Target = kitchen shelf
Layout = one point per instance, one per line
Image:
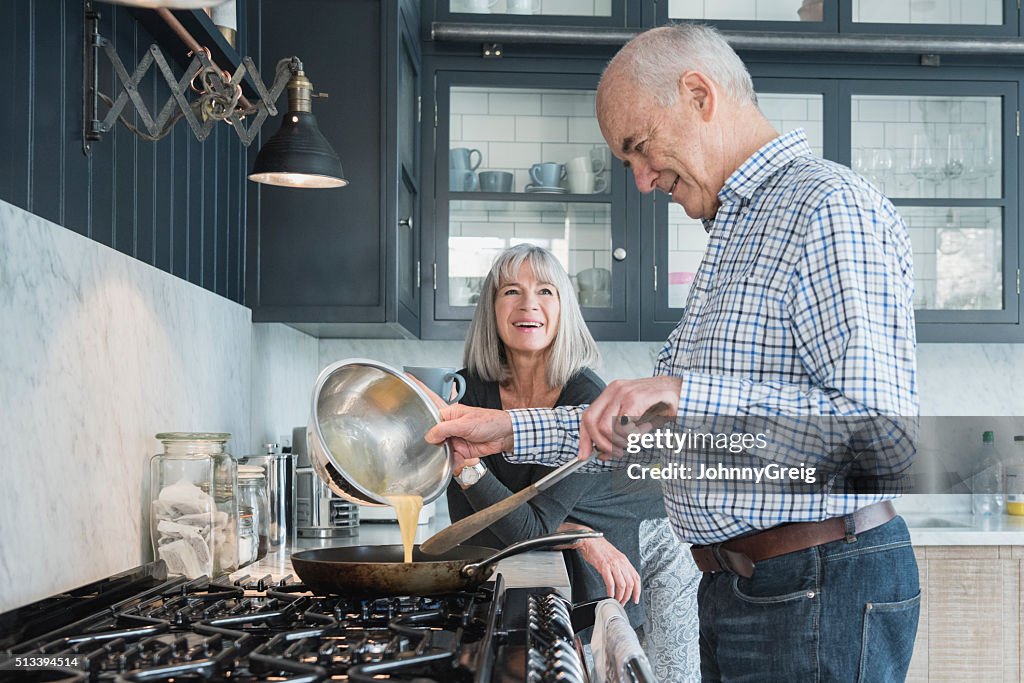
(596, 198)
(204, 31)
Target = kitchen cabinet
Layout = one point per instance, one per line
(344, 262)
(971, 604)
(943, 149)
(492, 128)
(902, 17)
(535, 12)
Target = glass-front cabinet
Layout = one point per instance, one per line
(935, 17)
(575, 12)
(521, 159)
(944, 152)
(785, 15)
(938, 151)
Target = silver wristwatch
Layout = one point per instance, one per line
(471, 475)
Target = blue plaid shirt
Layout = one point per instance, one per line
(801, 306)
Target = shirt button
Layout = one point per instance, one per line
(810, 594)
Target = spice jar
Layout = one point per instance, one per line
(194, 513)
(253, 514)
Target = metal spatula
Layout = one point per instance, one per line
(467, 527)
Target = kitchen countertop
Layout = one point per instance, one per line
(535, 568)
(931, 529)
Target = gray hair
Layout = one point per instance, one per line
(655, 59)
(573, 348)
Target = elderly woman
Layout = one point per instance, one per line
(528, 347)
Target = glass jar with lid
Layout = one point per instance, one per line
(194, 510)
(253, 514)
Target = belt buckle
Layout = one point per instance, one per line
(732, 561)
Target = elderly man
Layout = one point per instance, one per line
(801, 307)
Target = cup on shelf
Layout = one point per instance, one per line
(474, 6)
(585, 183)
(547, 174)
(595, 287)
(461, 158)
(523, 6)
(461, 180)
(495, 181)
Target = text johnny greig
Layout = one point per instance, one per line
(707, 442)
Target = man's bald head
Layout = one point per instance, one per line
(653, 62)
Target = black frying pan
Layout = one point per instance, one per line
(380, 569)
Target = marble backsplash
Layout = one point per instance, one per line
(99, 352)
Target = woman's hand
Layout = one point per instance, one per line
(620, 577)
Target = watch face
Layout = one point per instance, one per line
(471, 475)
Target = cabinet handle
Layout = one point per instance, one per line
(619, 254)
(406, 222)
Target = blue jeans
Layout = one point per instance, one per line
(842, 611)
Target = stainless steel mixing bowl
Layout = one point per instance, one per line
(366, 432)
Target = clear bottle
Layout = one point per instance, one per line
(253, 514)
(1013, 478)
(987, 484)
(193, 510)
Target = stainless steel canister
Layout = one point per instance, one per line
(279, 469)
(318, 512)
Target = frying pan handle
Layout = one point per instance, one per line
(484, 567)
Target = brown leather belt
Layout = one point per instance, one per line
(739, 555)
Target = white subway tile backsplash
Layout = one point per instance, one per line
(594, 237)
(580, 260)
(885, 11)
(568, 104)
(734, 9)
(568, 7)
(867, 135)
(541, 129)
(465, 101)
(686, 9)
(775, 106)
(492, 228)
(883, 108)
(515, 103)
(514, 155)
(584, 130)
(539, 231)
(777, 10)
(931, 12)
(490, 127)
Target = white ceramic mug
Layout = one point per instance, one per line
(579, 165)
(585, 183)
(523, 6)
(600, 157)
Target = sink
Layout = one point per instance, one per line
(935, 523)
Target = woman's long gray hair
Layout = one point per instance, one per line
(573, 348)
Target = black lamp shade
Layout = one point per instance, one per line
(298, 155)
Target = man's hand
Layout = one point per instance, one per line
(438, 402)
(601, 426)
(473, 432)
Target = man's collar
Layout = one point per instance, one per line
(763, 164)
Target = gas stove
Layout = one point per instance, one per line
(144, 626)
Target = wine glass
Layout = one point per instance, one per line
(881, 166)
(922, 163)
(954, 166)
